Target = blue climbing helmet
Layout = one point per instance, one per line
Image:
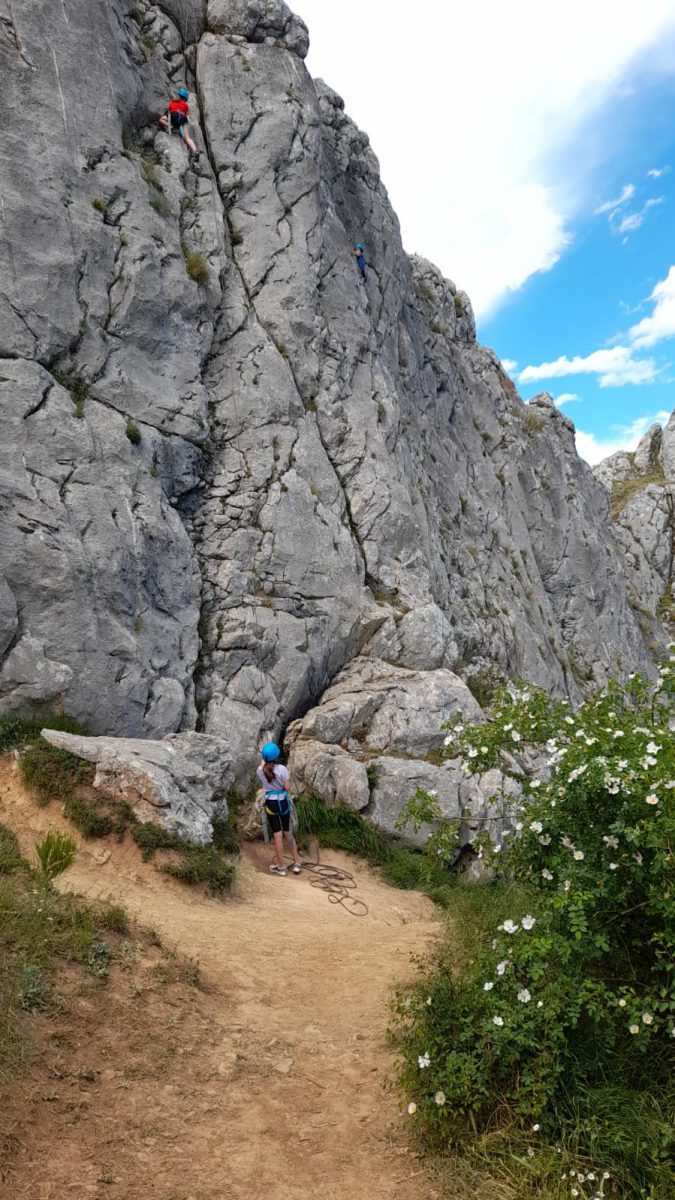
(184, 95)
(359, 246)
(270, 752)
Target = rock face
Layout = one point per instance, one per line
(178, 783)
(642, 490)
(230, 469)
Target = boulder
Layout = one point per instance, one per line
(179, 783)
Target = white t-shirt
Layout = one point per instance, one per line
(277, 783)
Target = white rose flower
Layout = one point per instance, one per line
(651, 799)
(524, 996)
(487, 987)
(440, 1098)
(501, 967)
(498, 1021)
(536, 826)
(634, 1029)
(546, 874)
(528, 922)
(412, 1108)
(647, 1019)
(578, 855)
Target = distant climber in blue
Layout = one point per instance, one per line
(360, 256)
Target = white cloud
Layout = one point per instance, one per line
(611, 206)
(509, 365)
(566, 398)
(661, 324)
(633, 221)
(624, 437)
(614, 367)
(657, 172)
(480, 129)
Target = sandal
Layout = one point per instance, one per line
(277, 870)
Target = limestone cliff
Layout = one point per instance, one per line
(642, 491)
(231, 471)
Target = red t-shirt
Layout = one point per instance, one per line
(180, 106)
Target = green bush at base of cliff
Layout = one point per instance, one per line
(545, 1052)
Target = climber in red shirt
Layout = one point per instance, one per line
(176, 120)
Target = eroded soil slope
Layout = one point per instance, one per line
(272, 1082)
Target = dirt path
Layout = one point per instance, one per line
(282, 1091)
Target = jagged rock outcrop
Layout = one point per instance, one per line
(179, 783)
(231, 469)
(642, 490)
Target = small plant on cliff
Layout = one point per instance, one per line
(78, 388)
(133, 433)
(196, 266)
(550, 1050)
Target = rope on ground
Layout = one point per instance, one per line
(337, 884)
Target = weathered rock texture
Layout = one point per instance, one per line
(327, 470)
(642, 490)
(178, 783)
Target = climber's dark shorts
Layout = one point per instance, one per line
(178, 120)
(277, 823)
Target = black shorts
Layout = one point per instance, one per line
(278, 823)
(177, 120)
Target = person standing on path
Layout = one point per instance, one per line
(278, 807)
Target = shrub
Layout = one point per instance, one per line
(86, 818)
(34, 990)
(203, 864)
(159, 203)
(196, 266)
(78, 388)
(49, 773)
(133, 433)
(55, 853)
(99, 204)
(10, 854)
(558, 1032)
(533, 422)
(211, 865)
(115, 918)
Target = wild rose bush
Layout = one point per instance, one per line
(571, 993)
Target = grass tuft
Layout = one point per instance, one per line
(624, 491)
(78, 388)
(55, 853)
(133, 433)
(196, 266)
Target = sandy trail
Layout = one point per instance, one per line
(283, 1088)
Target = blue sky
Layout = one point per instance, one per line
(516, 143)
(602, 287)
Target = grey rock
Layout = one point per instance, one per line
(668, 449)
(386, 708)
(179, 783)
(268, 21)
(9, 620)
(648, 451)
(331, 773)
